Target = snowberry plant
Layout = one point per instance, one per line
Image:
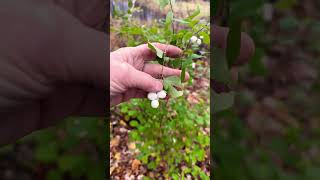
(168, 130)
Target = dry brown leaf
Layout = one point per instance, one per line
(135, 164)
(132, 146)
(193, 98)
(112, 169)
(151, 174)
(123, 123)
(115, 141)
(117, 156)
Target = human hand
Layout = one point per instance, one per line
(52, 66)
(131, 76)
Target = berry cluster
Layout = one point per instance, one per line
(196, 40)
(154, 98)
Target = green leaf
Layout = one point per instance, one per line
(54, 174)
(313, 173)
(182, 21)
(173, 92)
(196, 56)
(172, 81)
(206, 37)
(156, 50)
(47, 152)
(285, 4)
(152, 165)
(233, 42)
(75, 163)
(219, 67)
(96, 172)
(167, 28)
(245, 8)
(183, 73)
(186, 37)
(169, 18)
(130, 4)
(222, 101)
(255, 64)
(134, 123)
(175, 176)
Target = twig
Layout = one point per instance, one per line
(172, 24)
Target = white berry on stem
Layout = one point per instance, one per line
(199, 42)
(193, 39)
(154, 103)
(152, 96)
(162, 94)
(193, 65)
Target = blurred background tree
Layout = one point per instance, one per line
(273, 129)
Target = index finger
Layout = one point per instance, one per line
(147, 54)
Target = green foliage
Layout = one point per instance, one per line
(172, 135)
(71, 149)
(161, 134)
(222, 101)
(244, 152)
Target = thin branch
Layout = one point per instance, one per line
(172, 24)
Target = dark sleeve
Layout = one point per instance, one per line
(92, 13)
(56, 43)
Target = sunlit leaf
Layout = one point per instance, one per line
(156, 50)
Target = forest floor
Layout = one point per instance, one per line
(123, 164)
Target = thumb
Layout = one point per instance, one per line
(142, 80)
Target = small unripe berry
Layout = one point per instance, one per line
(201, 37)
(199, 42)
(193, 39)
(152, 96)
(154, 103)
(162, 94)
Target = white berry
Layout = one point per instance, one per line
(154, 103)
(162, 94)
(193, 39)
(193, 65)
(201, 37)
(152, 96)
(199, 42)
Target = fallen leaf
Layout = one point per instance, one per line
(112, 169)
(151, 174)
(117, 156)
(132, 146)
(135, 164)
(115, 141)
(123, 123)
